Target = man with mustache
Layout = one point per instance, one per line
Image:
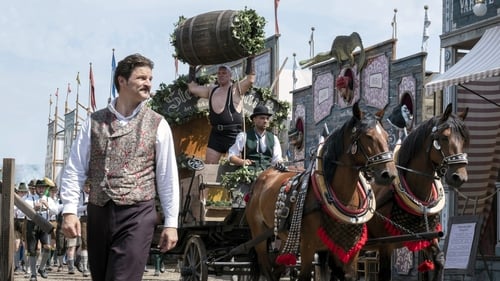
(126, 152)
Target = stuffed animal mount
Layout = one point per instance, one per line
(342, 50)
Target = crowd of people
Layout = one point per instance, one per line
(37, 251)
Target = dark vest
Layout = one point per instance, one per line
(261, 159)
(122, 158)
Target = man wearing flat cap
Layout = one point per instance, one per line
(257, 147)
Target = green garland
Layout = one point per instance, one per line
(179, 85)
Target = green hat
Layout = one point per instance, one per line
(32, 183)
(22, 187)
(45, 182)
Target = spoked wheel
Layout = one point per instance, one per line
(194, 267)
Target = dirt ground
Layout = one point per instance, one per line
(170, 274)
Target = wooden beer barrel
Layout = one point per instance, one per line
(207, 39)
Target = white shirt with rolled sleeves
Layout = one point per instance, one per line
(167, 179)
(237, 148)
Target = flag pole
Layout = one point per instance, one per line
(311, 43)
(394, 25)
(50, 106)
(57, 101)
(112, 85)
(66, 101)
(425, 33)
(294, 75)
(52, 175)
(90, 90)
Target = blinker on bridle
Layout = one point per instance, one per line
(442, 168)
(371, 161)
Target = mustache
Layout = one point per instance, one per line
(147, 89)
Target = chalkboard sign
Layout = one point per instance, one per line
(182, 104)
(461, 244)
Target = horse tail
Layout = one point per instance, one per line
(357, 42)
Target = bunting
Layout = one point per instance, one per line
(92, 89)
(113, 68)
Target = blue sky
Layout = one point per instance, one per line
(46, 43)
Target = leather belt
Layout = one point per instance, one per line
(227, 127)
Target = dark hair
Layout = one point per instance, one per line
(128, 64)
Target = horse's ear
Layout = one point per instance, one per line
(463, 114)
(447, 112)
(380, 113)
(356, 111)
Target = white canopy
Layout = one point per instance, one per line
(482, 61)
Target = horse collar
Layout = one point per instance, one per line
(333, 207)
(409, 202)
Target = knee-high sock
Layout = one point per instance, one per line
(17, 257)
(85, 260)
(60, 260)
(33, 265)
(45, 258)
(157, 261)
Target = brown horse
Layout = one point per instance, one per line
(433, 150)
(324, 207)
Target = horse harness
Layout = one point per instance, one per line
(351, 222)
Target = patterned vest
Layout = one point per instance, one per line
(262, 159)
(122, 158)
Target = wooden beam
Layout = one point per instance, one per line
(7, 221)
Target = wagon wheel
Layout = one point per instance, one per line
(321, 269)
(194, 267)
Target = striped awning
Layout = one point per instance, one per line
(482, 61)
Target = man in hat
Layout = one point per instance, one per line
(225, 101)
(34, 234)
(257, 147)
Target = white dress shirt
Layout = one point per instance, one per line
(167, 182)
(237, 148)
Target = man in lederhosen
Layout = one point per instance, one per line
(34, 234)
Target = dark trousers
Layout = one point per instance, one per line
(34, 234)
(119, 240)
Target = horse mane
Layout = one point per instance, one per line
(334, 145)
(413, 142)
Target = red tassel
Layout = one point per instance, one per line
(246, 198)
(343, 256)
(426, 266)
(287, 259)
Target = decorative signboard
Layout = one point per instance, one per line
(461, 245)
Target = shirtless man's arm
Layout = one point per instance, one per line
(204, 91)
